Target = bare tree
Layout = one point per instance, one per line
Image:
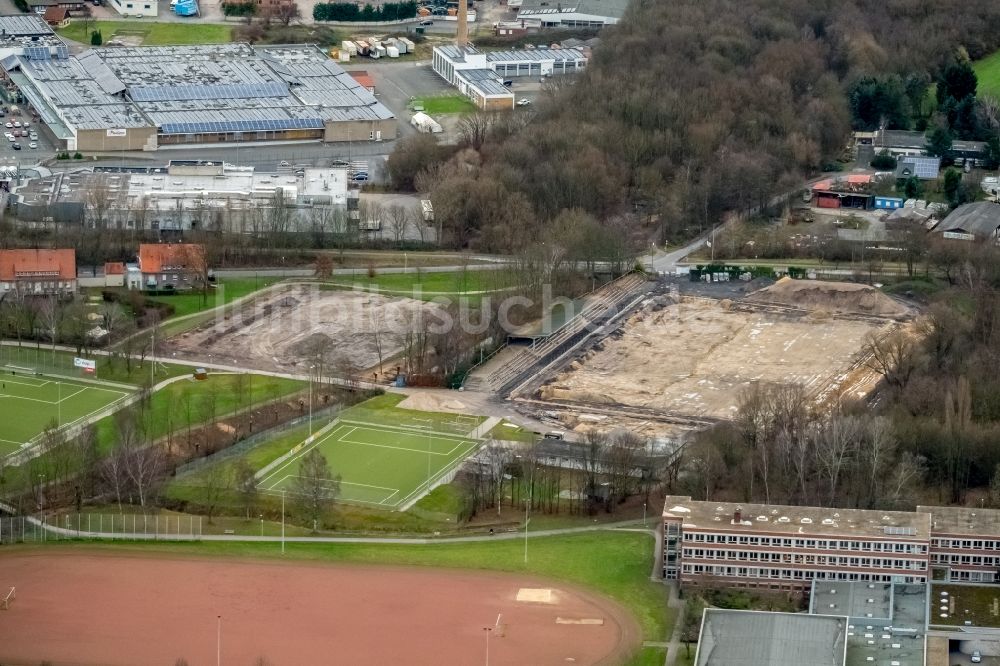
(398, 219)
(315, 488)
(893, 355)
(146, 468)
(216, 482)
(246, 485)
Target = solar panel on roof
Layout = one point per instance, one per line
(891, 530)
(36, 52)
(241, 125)
(62, 52)
(219, 91)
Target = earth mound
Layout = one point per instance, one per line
(829, 297)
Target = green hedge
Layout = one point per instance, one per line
(344, 11)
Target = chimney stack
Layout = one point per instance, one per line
(737, 517)
(462, 33)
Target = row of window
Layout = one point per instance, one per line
(791, 574)
(820, 544)
(973, 576)
(44, 285)
(974, 560)
(804, 559)
(966, 544)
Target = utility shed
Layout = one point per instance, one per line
(753, 638)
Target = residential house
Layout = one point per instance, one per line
(172, 266)
(57, 16)
(979, 221)
(38, 272)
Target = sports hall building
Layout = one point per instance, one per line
(141, 98)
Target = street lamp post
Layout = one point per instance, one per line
(311, 400)
(429, 423)
(262, 524)
(218, 641)
(488, 631)
(282, 522)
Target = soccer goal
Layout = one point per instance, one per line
(8, 599)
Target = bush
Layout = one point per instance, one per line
(239, 8)
(77, 155)
(884, 161)
(349, 12)
(96, 38)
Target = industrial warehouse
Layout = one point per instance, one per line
(481, 76)
(185, 195)
(141, 98)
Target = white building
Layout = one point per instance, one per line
(480, 76)
(562, 14)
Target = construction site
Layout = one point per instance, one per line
(300, 325)
(664, 363)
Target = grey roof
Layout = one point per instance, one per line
(26, 25)
(981, 218)
(922, 167)
(610, 8)
(751, 638)
(535, 55)
(487, 81)
(199, 89)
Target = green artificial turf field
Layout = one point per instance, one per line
(29, 403)
(379, 465)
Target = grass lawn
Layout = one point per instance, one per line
(457, 282)
(505, 430)
(988, 73)
(153, 34)
(226, 291)
(30, 403)
(48, 361)
(979, 604)
(446, 104)
(172, 407)
(384, 409)
(616, 564)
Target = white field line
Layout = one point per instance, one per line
(302, 452)
(40, 382)
(406, 429)
(274, 490)
(437, 475)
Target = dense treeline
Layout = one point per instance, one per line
(929, 436)
(690, 110)
(348, 11)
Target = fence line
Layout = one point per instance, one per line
(129, 526)
(252, 440)
(263, 472)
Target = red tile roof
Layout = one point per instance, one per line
(55, 14)
(171, 256)
(114, 268)
(37, 264)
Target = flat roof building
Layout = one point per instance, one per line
(480, 76)
(787, 547)
(187, 195)
(578, 14)
(776, 547)
(752, 638)
(141, 98)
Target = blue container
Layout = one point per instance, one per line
(888, 203)
(400, 381)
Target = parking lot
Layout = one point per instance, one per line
(43, 149)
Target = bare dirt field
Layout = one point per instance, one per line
(77, 608)
(289, 329)
(695, 357)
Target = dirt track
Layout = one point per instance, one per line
(74, 607)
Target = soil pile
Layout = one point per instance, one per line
(829, 297)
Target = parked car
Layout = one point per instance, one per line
(284, 163)
(17, 123)
(360, 177)
(977, 658)
(16, 146)
(523, 102)
(9, 125)
(33, 145)
(427, 22)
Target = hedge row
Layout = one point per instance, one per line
(345, 11)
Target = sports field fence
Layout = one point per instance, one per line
(127, 526)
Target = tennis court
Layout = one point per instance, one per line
(379, 465)
(29, 403)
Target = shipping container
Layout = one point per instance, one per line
(410, 46)
(350, 47)
(392, 51)
(827, 202)
(888, 203)
(363, 47)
